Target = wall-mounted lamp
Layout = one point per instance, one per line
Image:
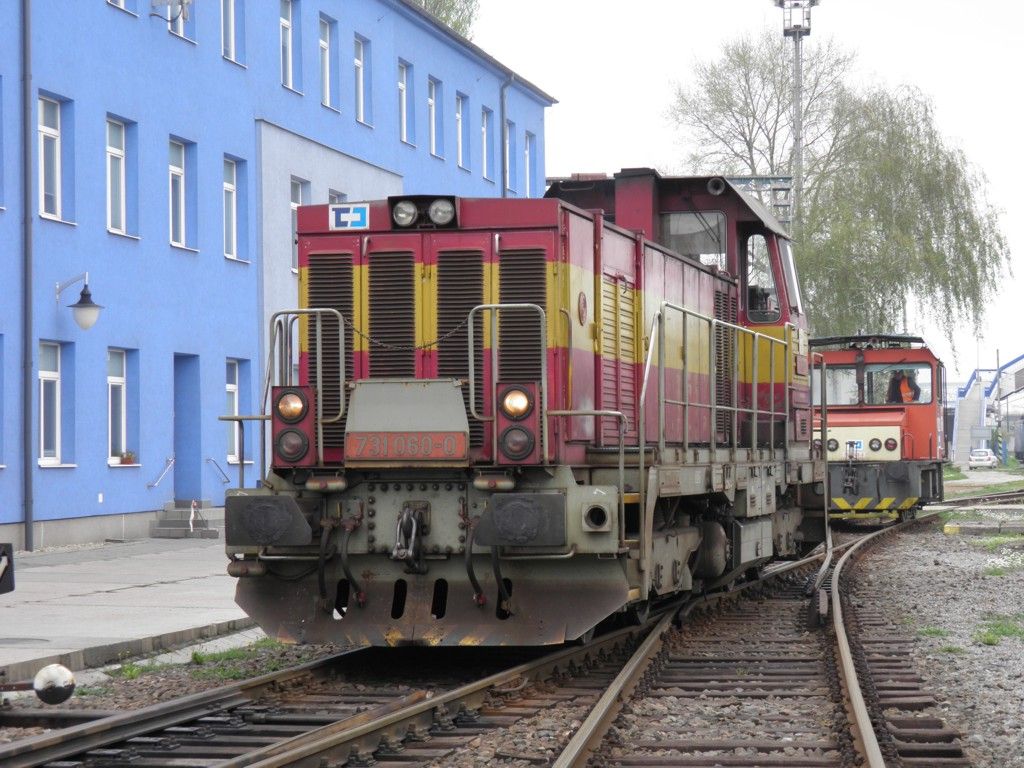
(86, 312)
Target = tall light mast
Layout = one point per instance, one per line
(796, 23)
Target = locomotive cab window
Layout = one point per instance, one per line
(884, 384)
(699, 235)
(762, 293)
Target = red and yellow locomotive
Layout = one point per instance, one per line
(514, 419)
(885, 441)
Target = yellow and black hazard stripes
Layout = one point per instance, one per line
(872, 503)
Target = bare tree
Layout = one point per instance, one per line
(457, 14)
(890, 212)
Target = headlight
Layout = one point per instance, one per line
(291, 407)
(404, 213)
(292, 445)
(833, 444)
(875, 444)
(441, 211)
(516, 443)
(515, 403)
(891, 444)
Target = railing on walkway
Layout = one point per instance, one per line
(167, 468)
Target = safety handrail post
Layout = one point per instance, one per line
(686, 385)
(755, 344)
(736, 339)
(713, 384)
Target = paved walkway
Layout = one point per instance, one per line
(90, 606)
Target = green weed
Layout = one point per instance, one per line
(932, 632)
(997, 627)
(995, 543)
(952, 472)
(1015, 485)
(951, 649)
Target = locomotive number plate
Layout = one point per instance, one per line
(393, 446)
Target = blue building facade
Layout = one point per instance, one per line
(165, 159)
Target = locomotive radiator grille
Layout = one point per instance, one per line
(618, 348)
(460, 287)
(725, 340)
(330, 287)
(523, 280)
(392, 301)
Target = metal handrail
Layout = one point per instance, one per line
(169, 463)
(494, 309)
(225, 479)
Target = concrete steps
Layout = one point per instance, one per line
(175, 521)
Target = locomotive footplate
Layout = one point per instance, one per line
(438, 608)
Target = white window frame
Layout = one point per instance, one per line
(527, 181)
(286, 45)
(485, 118)
(176, 25)
(460, 103)
(115, 154)
(50, 376)
(231, 390)
(230, 206)
(334, 197)
(227, 29)
(47, 134)
(403, 101)
(296, 201)
(432, 114)
(325, 62)
(359, 61)
(176, 172)
(112, 382)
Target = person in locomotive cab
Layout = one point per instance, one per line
(903, 388)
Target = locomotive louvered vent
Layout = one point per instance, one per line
(330, 287)
(618, 344)
(522, 281)
(392, 315)
(460, 287)
(725, 340)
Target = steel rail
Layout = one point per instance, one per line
(336, 742)
(57, 745)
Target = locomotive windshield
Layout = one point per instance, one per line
(884, 384)
(699, 235)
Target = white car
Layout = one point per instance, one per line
(982, 457)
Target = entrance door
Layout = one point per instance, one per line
(187, 430)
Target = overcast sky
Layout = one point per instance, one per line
(612, 67)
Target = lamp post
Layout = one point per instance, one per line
(85, 311)
(796, 23)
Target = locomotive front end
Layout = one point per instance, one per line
(415, 494)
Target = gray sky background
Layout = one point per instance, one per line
(612, 67)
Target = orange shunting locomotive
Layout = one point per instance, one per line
(885, 437)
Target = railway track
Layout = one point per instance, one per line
(786, 692)
(756, 686)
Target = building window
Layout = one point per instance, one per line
(299, 195)
(529, 159)
(461, 130)
(49, 403)
(116, 177)
(231, 388)
(510, 155)
(434, 117)
(362, 74)
(176, 171)
(286, 43)
(486, 117)
(329, 56)
(403, 103)
(117, 408)
(336, 198)
(49, 158)
(227, 29)
(230, 209)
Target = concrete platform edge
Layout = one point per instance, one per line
(101, 655)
